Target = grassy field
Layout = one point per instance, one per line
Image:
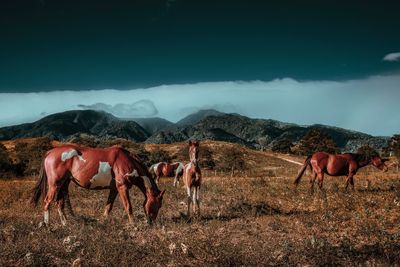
(253, 218)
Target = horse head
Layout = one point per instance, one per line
(194, 151)
(379, 163)
(153, 201)
(152, 205)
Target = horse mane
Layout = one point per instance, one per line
(142, 168)
(358, 157)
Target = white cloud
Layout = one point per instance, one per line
(368, 105)
(392, 57)
(138, 109)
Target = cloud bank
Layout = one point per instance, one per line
(391, 57)
(139, 109)
(369, 105)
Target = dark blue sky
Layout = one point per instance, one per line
(80, 45)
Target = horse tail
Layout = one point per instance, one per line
(302, 170)
(41, 185)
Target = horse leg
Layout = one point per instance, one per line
(66, 197)
(176, 180)
(123, 191)
(350, 181)
(189, 199)
(198, 200)
(320, 179)
(62, 193)
(111, 198)
(158, 178)
(312, 181)
(60, 208)
(68, 203)
(194, 199)
(347, 182)
(51, 193)
(320, 184)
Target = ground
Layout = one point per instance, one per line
(252, 218)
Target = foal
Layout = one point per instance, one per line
(192, 178)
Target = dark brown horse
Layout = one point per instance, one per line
(167, 170)
(111, 168)
(337, 165)
(192, 178)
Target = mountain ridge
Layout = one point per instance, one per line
(204, 124)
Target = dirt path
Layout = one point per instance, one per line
(293, 160)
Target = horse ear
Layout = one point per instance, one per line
(161, 194)
(190, 142)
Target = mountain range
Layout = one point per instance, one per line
(204, 124)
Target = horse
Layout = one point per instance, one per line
(337, 165)
(192, 178)
(112, 168)
(167, 170)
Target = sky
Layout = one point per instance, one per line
(329, 62)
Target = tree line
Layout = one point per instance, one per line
(317, 140)
(26, 157)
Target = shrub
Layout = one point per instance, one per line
(29, 156)
(232, 159)
(367, 151)
(159, 155)
(5, 162)
(394, 145)
(283, 145)
(206, 158)
(316, 140)
(84, 140)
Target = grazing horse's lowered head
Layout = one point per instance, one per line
(379, 163)
(153, 199)
(152, 205)
(194, 151)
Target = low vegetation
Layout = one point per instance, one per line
(253, 218)
(315, 140)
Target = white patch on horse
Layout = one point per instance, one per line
(194, 196)
(188, 167)
(46, 217)
(103, 177)
(134, 173)
(179, 169)
(156, 166)
(70, 154)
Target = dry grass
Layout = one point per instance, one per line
(253, 220)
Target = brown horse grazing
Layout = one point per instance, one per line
(192, 178)
(337, 165)
(167, 170)
(94, 168)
